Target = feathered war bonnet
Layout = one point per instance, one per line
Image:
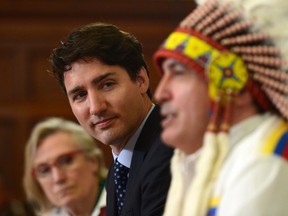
(234, 45)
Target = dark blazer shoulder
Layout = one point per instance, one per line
(151, 131)
(149, 176)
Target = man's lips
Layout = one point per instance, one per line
(167, 119)
(103, 123)
(168, 114)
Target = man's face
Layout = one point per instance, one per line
(106, 102)
(184, 102)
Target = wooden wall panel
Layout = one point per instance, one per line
(8, 74)
(41, 84)
(29, 29)
(7, 136)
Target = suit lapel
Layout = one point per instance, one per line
(110, 188)
(143, 144)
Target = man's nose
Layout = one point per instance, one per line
(161, 94)
(97, 104)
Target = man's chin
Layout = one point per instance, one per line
(167, 138)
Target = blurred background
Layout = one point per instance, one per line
(29, 29)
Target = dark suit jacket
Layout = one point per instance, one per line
(149, 175)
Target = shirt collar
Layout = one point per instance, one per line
(240, 130)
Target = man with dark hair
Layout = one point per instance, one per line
(103, 72)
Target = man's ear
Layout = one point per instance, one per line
(244, 107)
(142, 80)
(244, 99)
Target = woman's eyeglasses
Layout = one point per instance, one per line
(64, 162)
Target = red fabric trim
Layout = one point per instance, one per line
(162, 54)
(102, 211)
(285, 152)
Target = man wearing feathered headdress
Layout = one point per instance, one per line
(224, 99)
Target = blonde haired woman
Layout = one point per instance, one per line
(64, 170)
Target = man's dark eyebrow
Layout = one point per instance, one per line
(95, 81)
(175, 64)
(172, 65)
(102, 77)
(74, 90)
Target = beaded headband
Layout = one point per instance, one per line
(226, 71)
(222, 46)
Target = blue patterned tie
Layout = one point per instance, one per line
(120, 180)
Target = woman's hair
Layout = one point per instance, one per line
(44, 129)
